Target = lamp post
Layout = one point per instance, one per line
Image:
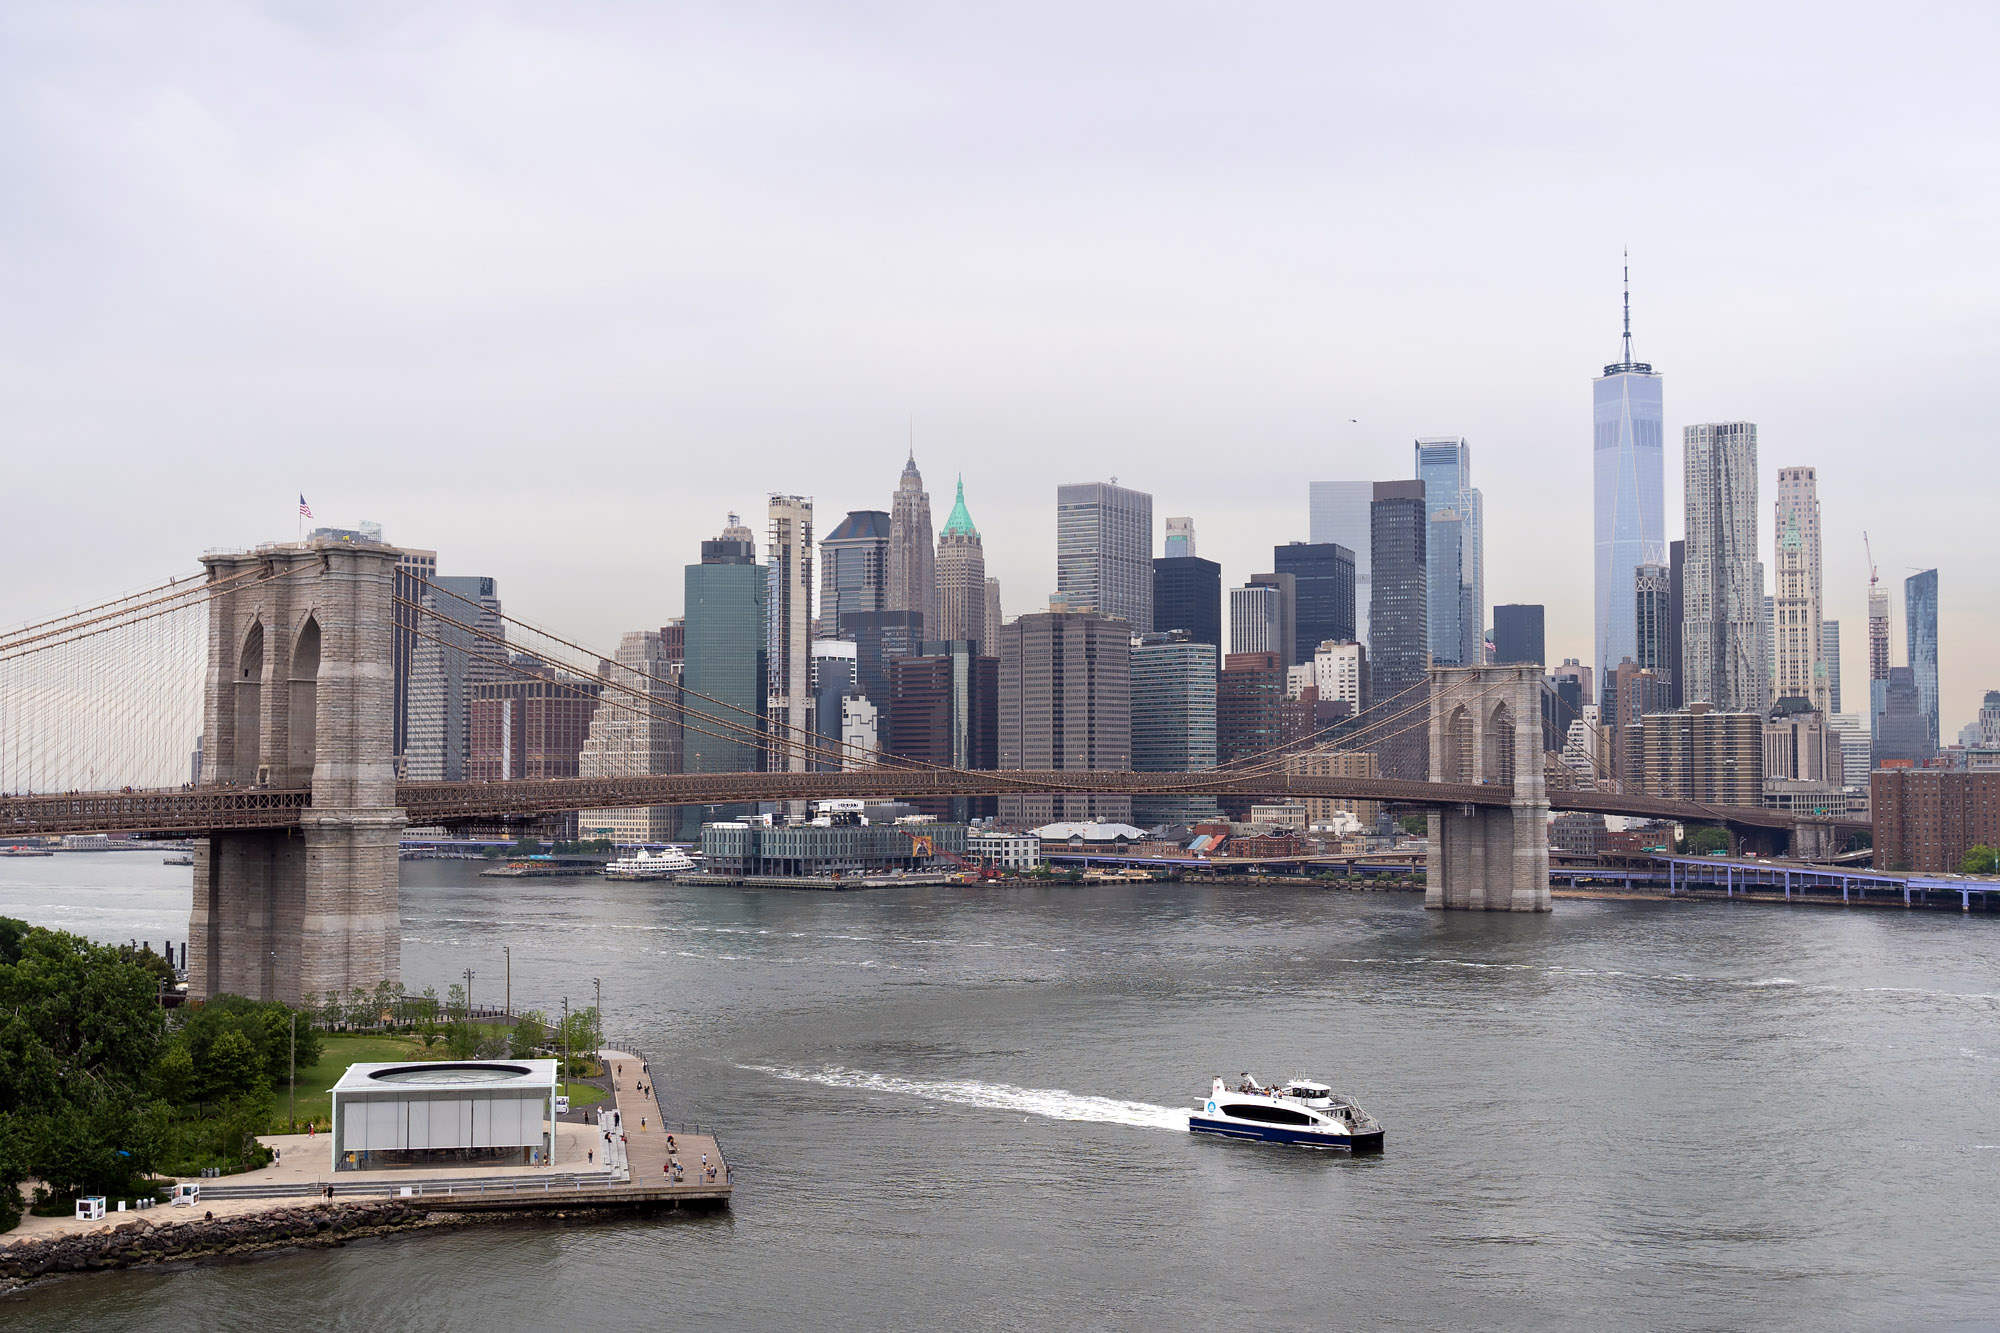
(293, 1081)
(510, 979)
(468, 995)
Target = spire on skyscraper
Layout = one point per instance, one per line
(1628, 365)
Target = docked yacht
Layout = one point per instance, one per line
(648, 865)
(1298, 1111)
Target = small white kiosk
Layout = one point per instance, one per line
(437, 1112)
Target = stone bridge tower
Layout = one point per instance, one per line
(1486, 727)
(300, 692)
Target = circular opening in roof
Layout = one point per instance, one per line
(443, 1073)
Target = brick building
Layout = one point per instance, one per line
(1926, 818)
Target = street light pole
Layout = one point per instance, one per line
(510, 979)
(294, 1080)
(468, 995)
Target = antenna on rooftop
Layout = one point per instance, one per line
(1628, 305)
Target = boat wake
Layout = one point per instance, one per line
(1050, 1103)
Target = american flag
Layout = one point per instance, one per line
(305, 510)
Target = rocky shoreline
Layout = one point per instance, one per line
(140, 1241)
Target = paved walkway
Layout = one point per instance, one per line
(646, 1143)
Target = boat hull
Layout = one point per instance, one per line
(1301, 1137)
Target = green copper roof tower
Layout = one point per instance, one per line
(960, 522)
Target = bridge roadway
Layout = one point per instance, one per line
(218, 808)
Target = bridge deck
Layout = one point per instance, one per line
(222, 808)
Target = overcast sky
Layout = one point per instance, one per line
(552, 288)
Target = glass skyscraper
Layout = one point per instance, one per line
(1628, 466)
(1339, 513)
(1458, 577)
(726, 672)
(1104, 552)
(1920, 611)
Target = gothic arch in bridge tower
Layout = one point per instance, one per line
(1457, 757)
(248, 692)
(1488, 857)
(304, 691)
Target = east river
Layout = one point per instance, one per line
(953, 1108)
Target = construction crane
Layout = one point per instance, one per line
(1873, 579)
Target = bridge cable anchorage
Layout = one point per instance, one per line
(109, 698)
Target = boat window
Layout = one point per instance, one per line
(1267, 1114)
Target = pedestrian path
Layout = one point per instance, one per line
(646, 1133)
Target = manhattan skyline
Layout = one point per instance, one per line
(752, 254)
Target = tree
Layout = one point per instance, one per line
(1700, 840)
(1417, 826)
(230, 1067)
(529, 1035)
(1979, 859)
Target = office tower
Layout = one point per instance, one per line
(413, 570)
(1458, 590)
(1173, 721)
(1767, 629)
(1878, 632)
(1287, 588)
(1722, 635)
(1854, 747)
(993, 619)
(944, 709)
(533, 725)
(1517, 635)
(1628, 470)
(1340, 513)
(1339, 671)
(1563, 706)
(1065, 703)
(1180, 539)
(1829, 652)
(1399, 622)
(1652, 594)
(1798, 652)
(1989, 720)
(1577, 672)
(853, 569)
(860, 732)
(879, 638)
(912, 553)
(961, 577)
(1322, 594)
(1699, 753)
(1920, 626)
(631, 736)
(459, 644)
(1676, 670)
(1187, 594)
(1104, 552)
(789, 550)
(1249, 699)
(1256, 618)
(1799, 746)
(1902, 731)
(725, 672)
(833, 663)
(1633, 692)
(1444, 552)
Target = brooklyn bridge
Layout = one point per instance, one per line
(281, 660)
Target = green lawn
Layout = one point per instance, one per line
(343, 1049)
(582, 1094)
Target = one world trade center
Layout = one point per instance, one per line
(1628, 470)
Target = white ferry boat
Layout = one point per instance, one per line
(650, 865)
(1298, 1111)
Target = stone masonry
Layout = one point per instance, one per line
(300, 692)
(1486, 726)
